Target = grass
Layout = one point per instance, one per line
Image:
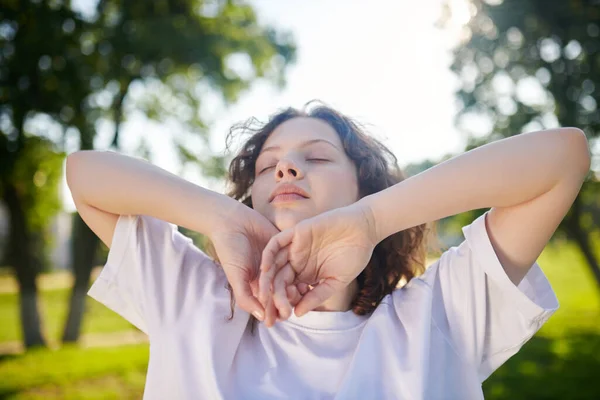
(54, 300)
(54, 308)
(546, 368)
(577, 291)
(562, 361)
(74, 373)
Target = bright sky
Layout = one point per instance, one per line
(382, 62)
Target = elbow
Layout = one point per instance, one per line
(578, 150)
(71, 168)
(73, 172)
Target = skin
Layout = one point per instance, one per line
(105, 185)
(529, 181)
(307, 153)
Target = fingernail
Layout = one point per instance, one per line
(259, 315)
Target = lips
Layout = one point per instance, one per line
(288, 192)
(286, 197)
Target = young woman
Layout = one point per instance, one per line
(319, 230)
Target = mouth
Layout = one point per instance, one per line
(287, 197)
(287, 193)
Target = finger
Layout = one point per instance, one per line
(302, 288)
(317, 296)
(266, 277)
(276, 243)
(271, 313)
(254, 288)
(293, 295)
(246, 300)
(283, 279)
(282, 257)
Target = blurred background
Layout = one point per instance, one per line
(165, 79)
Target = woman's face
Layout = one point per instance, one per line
(303, 160)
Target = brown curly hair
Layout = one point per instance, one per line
(396, 259)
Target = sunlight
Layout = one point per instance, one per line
(461, 12)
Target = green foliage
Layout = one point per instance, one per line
(67, 72)
(174, 52)
(64, 73)
(41, 63)
(79, 70)
(531, 65)
(552, 46)
(37, 174)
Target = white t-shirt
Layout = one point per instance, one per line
(439, 337)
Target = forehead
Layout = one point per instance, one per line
(302, 129)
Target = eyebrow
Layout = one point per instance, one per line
(304, 144)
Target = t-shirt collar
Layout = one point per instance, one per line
(327, 320)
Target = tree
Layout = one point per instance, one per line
(38, 84)
(528, 65)
(171, 52)
(159, 58)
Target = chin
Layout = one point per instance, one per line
(285, 218)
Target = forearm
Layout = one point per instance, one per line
(125, 185)
(501, 174)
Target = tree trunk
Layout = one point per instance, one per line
(21, 255)
(583, 241)
(582, 238)
(84, 245)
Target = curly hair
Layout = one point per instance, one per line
(396, 259)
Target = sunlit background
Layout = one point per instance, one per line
(431, 78)
(360, 57)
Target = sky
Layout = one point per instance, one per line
(381, 62)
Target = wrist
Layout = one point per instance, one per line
(365, 209)
(226, 211)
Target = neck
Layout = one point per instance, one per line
(341, 300)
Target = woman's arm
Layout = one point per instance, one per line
(105, 185)
(530, 180)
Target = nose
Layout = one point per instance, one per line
(287, 169)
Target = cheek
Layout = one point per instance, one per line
(260, 194)
(340, 187)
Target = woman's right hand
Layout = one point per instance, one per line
(239, 242)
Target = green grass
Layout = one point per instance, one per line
(54, 308)
(563, 360)
(73, 373)
(546, 368)
(577, 291)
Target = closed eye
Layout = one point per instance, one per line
(266, 169)
(317, 159)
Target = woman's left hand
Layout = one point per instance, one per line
(329, 251)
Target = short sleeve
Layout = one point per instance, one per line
(153, 273)
(488, 318)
